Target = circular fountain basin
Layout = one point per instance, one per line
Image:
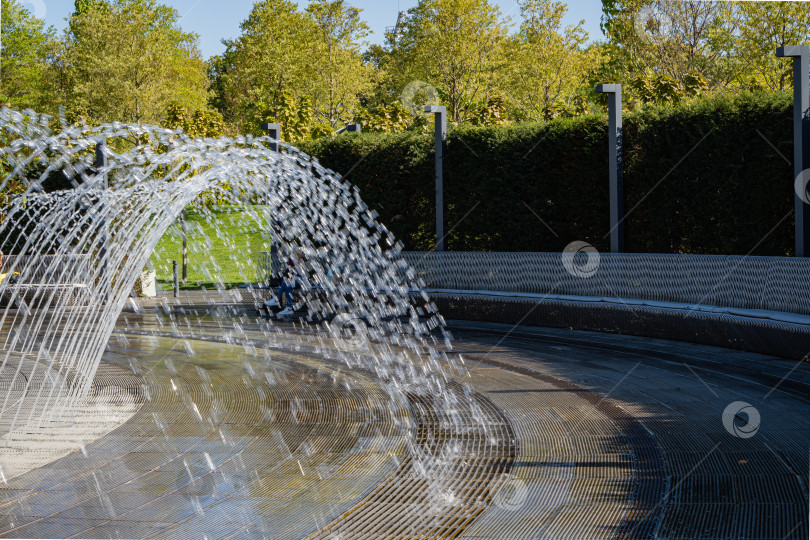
(573, 435)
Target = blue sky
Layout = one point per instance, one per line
(214, 20)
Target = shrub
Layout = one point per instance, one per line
(712, 176)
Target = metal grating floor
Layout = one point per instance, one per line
(575, 436)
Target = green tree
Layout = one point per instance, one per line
(548, 65)
(127, 60)
(764, 26)
(668, 50)
(285, 58)
(199, 123)
(25, 49)
(385, 119)
(456, 45)
(670, 44)
(83, 6)
(385, 80)
(383, 110)
(342, 76)
(270, 59)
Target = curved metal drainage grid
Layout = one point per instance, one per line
(206, 456)
(446, 496)
(443, 501)
(446, 501)
(718, 485)
(169, 473)
(462, 464)
(650, 486)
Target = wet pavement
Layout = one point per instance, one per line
(573, 435)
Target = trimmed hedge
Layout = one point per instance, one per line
(698, 178)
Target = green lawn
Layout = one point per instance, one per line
(224, 249)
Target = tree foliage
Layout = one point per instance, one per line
(310, 68)
(456, 45)
(147, 62)
(197, 123)
(762, 27)
(671, 50)
(546, 62)
(269, 58)
(665, 46)
(25, 48)
(286, 58)
(341, 75)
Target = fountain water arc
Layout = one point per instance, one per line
(88, 246)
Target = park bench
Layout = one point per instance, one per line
(45, 281)
(760, 304)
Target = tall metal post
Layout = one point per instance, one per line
(101, 161)
(101, 165)
(614, 92)
(440, 120)
(801, 140)
(185, 248)
(176, 280)
(274, 131)
(276, 261)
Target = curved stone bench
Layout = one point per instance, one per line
(758, 304)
